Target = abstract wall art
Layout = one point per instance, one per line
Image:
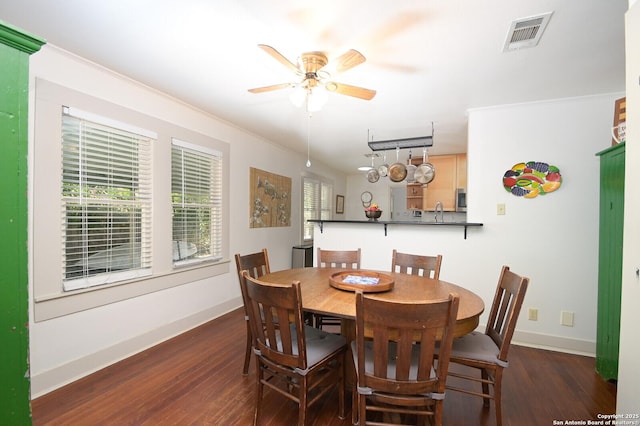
(270, 199)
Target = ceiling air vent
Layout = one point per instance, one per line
(526, 32)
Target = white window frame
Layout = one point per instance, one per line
(190, 178)
(46, 265)
(102, 260)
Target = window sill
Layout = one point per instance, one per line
(56, 305)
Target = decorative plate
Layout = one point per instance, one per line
(366, 281)
(531, 179)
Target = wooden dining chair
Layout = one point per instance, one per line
(395, 368)
(488, 351)
(298, 361)
(416, 264)
(347, 259)
(258, 265)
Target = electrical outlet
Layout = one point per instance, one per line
(566, 318)
(501, 209)
(533, 314)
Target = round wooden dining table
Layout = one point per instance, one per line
(318, 296)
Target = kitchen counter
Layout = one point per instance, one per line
(386, 224)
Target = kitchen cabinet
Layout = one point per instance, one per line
(451, 173)
(612, 163)
(461, 171)
(443, 186)
(414, 196)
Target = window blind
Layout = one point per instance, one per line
(317, 196)
(106, 202)
(196, 196)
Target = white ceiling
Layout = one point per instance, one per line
(430, 61)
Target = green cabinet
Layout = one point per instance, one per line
(610, 260)
(15, 48)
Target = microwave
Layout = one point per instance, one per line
(461, 200)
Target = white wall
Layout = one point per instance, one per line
(552, 239)
(629, 368)
(66, 348)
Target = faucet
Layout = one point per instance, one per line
(441, 208)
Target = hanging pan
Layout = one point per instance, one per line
(397, 171)
(425, 172)
(411, 169)
(372, 174)
(383, 169)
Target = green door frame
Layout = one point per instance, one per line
(15, 48)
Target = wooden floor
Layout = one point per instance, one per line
(195, 379)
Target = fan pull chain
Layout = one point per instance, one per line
(308, 141)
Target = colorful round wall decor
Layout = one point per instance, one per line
(531, 179)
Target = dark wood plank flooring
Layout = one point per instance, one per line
(195, 379)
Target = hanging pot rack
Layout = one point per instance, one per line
(402, 143)
(389, 144)
(414, 142)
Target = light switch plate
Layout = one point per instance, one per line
(501, 209)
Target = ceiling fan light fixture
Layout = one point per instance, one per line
(298, 96)
(331, 86)
(316, 99)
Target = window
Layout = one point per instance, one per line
(106, 201)
(196, 197)
(317, 197)
(104, 210)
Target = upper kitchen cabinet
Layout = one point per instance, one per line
(461, 171)
(414, 196)
(451, 174)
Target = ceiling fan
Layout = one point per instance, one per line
(311, 73)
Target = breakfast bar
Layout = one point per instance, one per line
(386, 224)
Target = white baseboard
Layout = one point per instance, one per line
(555, 343)
(50, 380)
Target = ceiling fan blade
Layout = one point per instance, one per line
(348, 60)
(270, 88)
(346, 89)
(280, 58)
